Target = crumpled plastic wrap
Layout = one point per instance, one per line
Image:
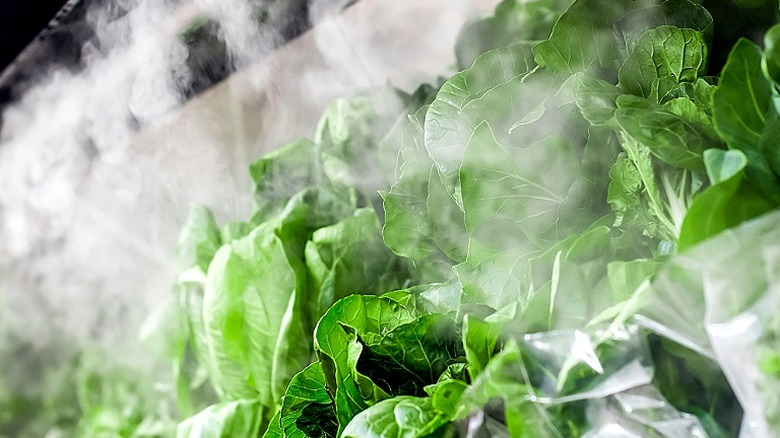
(722, 298)
(609, 370)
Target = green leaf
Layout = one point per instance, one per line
(422, 221)
(412, 355)
(240, 418)
(398, 417)
(446, 129)
(625, 277)
(625, 191)
(513, 22)
(742, 106)
(282, 173)
(480, 340)
(723, 165)
(682, 14)
(274, 429)
(513, 195)
(726, 203)
(770, 61)
(771, 157)
(583, 38)
(596, 99)
(439, 297)
(349, 257)
(662, 59)
(349, 138)
(447, 396)
(742, 98)
(494, 278)
(255, 314)
(307, 409)
(199, 239)
(667, 135)
(336, 341)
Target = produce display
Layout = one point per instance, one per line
(576, 235)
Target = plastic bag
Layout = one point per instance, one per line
(722, 298)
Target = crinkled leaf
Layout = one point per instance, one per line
(446, 129)
(514, 195)
(668, 136)
(678, 13)
(662, 59)
(582, 38)
(412, 355)
(398, 417)
(625, 191)
(336, 341)
(422, 221)
(349, 257)
(307, 409)
(349, 135)
(512, 22)
(282, 173)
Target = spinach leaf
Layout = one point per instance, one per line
(582, 38)
(742, 104)
(446, 128)
(398, 417)
(683, 14)
(513, 22)
(525, 192)
(307, 409)
(726, 203)
(668, 136)
(663, 58)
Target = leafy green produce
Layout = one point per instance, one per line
(573, 236)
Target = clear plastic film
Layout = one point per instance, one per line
(640, 412)
(580, 365)
(601, 376)
(731, 285)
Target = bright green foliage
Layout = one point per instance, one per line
(574, 236)
(533, 212)
(230, 419)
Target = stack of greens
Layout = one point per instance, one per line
(574, 236)
(549, 244)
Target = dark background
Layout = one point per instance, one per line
(20, 22)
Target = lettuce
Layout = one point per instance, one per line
(573, 236)
(547, 231)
